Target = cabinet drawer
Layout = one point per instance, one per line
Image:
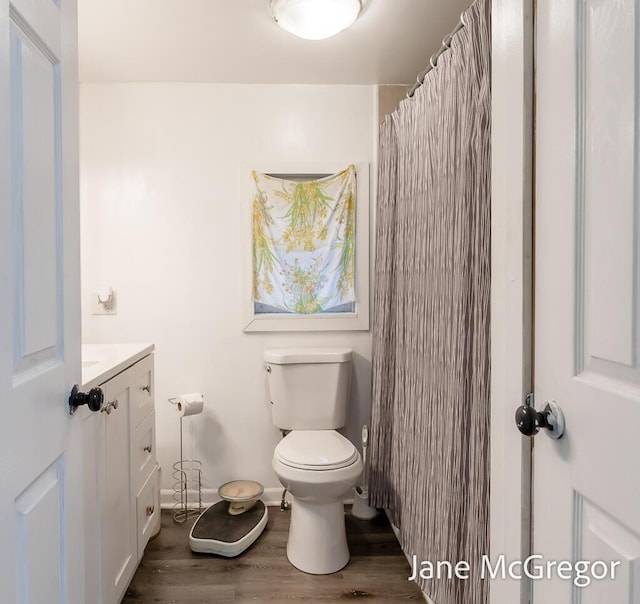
(142, 403)
(148, 506)
(143, 454)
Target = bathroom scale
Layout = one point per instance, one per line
(229, 527)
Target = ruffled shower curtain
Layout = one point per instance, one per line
(430, 417)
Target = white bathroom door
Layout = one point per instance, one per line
(586, 486)
(41, 511)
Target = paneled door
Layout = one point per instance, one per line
(41, 512)
(586, 489)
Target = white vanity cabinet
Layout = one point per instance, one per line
(121, 473)
(116, 496)
(145, 472)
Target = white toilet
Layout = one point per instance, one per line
(309, 390)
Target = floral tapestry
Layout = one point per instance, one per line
(304, 242)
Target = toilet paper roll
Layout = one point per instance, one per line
(190, 404)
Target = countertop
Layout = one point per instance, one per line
(101, 362)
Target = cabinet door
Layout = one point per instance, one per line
(142, 401)
(118, 517)
(148, 506)
(143, 451)
(92, 452)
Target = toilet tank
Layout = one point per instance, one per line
(308, 387)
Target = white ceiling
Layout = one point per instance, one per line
(236, 41)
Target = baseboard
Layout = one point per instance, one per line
(272, 496)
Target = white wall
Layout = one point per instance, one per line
(161, 222)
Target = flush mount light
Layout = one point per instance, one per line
(315, 19)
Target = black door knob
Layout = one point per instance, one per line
(529, 421)
(93, 399)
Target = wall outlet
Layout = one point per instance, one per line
(104, 303)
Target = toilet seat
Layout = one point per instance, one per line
(316, 450)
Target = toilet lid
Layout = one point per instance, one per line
(316, 450)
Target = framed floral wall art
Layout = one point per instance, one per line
(309, 249)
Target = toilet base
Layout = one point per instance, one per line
(317, 541)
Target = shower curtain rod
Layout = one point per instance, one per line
(433, 61)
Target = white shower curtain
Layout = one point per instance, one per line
(430, 418)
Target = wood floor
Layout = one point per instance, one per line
(171, 574)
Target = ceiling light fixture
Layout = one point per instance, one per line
(315, 19)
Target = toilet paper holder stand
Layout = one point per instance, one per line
(187, 483)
